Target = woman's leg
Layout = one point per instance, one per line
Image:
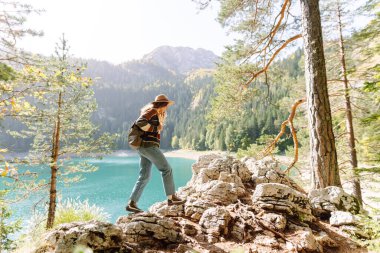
(155, 155)
(145, 169)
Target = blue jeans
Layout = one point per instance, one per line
(147, 157)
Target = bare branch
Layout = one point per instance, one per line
(263, 70)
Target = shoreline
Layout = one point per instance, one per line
(188, 153)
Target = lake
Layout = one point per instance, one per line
(111, 185)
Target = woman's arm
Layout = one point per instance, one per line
(148, 122)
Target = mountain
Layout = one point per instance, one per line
(182, 60)
(185, 75)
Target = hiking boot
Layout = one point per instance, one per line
(176, 201)
(132, 207)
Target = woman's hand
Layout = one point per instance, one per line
(159, 127)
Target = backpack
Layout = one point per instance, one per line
(134, 136)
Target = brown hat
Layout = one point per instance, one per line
(163, 98)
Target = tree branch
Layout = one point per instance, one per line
(271, 59)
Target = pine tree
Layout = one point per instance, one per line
(61, 124)
(265, 28)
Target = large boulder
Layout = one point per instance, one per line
(215, 221)
(333, 198)
(274, 221)
(282, 198)
(162, 209)
(203, 162)
(150, 230)
(96, 235)
(339, 218)
(195, 208)
(268, 170)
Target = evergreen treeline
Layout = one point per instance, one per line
(121, 90)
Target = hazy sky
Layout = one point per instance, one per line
(121, 30)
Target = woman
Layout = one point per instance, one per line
(151, 121)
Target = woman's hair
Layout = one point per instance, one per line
(153, 105)
(159, 104)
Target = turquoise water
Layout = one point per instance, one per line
(110, 186)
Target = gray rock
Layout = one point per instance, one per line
(282, 198)
(268, 170)
(355, 231)
(188, 227)
(266, 240)
(162, 209)
(96, 235)
(196, 207)
(333, 198)
(150, 229)
(228, 165)
(307, 242)
(217, 192)
(273, 220)
(325, 240)
(339, 218)
(215, 221)
(203, 162)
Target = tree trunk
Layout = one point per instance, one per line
(54, 167)
(349, 125)
(324, 164)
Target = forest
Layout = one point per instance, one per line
(54, 108)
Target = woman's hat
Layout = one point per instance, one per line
(163, 98)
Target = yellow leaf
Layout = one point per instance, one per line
(5, 171)
(13, 102)
(42, 74)
(3, 150)
(73, 78)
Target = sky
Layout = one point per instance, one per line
(122, 30)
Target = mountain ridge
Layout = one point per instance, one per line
(182, 60)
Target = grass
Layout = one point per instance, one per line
(70, 210)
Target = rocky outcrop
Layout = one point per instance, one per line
(149, 229)
(333, 198)
(229, 204)
(268, 170)
(99, 236)
(339, 218)
(282, 198)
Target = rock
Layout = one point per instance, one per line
(217, 192)
(215, 221)
(203, 162)
(217, 180)
(162, 209)
(235, 181)
(307, 242)
(188, 228)
(150, 229)
(182, 248)
(267, 241)
(282, 198)
(333, 198)
(273, 220)
(339, 218)
(196, 207)
(325, 240)
(96, 235)
(355, 231)
(228, 165)
(230, 205)
(268, 170)
(238, 231)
